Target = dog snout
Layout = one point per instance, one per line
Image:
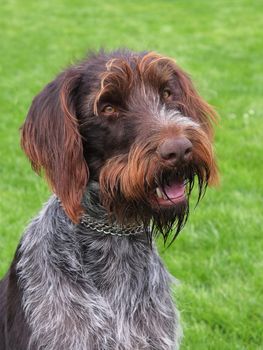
(174, 151)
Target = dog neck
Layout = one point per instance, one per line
(106, 227)
(97, 219)
(92, 284)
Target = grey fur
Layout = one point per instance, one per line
(86, 291)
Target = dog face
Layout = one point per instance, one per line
(134, 123)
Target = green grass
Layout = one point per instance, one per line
(218, 256)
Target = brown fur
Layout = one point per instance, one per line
(55, 135)
(51, 140)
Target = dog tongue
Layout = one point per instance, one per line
(175, 190)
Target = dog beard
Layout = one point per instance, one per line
(156, 218)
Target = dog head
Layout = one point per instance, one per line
(131, 121)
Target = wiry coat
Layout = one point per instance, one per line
(85, 290)
(122, 137)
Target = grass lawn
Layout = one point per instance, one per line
(218, 257)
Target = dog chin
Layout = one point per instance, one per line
(169, 220)
(169, 203)
(171, 207)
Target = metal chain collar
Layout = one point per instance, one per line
(105, 227)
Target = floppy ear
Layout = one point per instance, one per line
(194, 106)
(51, 139)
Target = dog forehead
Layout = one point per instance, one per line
(128, 73)
(136, 67)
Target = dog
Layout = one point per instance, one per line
(121, 138)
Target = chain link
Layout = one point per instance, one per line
(103, 226)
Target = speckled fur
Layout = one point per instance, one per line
(82, 290)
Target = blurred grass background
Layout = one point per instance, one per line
(218, 256)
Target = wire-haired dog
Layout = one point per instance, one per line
(121, 138)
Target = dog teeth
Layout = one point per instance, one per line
(160, 193)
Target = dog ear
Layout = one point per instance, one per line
(51, 139)
(193, 105)
(189, 101)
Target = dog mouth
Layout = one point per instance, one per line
(173, 188)
(170, 194)
(170, 189)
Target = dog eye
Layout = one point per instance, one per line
(109, 110)
(166, 93)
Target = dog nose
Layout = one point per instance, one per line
(176, 150)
